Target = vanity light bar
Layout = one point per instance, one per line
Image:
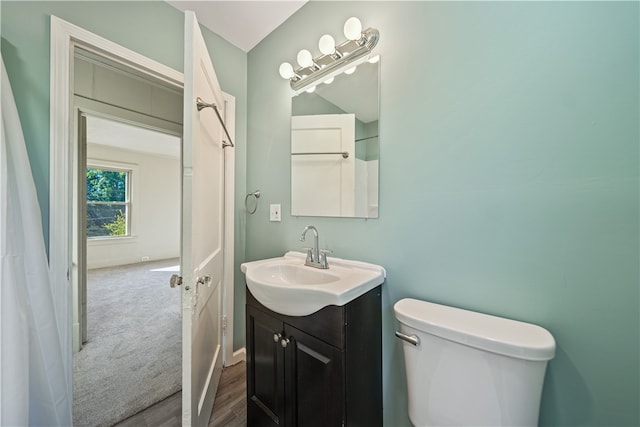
(334, 59)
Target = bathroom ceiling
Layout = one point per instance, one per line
(243, 23)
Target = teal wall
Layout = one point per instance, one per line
(312, 103)
(508, 172)
(151, 28)
(368, 149)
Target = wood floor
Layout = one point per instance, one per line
(229, 410)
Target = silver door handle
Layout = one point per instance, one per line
(175, 280)
(204, 280)
(411, 339)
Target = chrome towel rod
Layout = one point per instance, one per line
(367, 138)
(344, 154)
(201, 105)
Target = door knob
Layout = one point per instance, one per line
(284, 342)
(204, 280)
(276, 337)
(175, 280)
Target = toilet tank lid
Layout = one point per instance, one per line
(483, 331)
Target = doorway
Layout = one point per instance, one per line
(129, 199)
(66, 38)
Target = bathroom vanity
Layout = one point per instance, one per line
(322, 369)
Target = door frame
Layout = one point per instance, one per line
(82, 108)
(63, 150)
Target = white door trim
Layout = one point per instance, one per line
(229, 234)
(64, 37)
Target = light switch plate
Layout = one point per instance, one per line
(274, 212)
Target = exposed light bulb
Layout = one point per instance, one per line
(327, 44)
(286, 70)
(350, 70)
(353, 28)
(329, 80)
(311, 89)
(374, 59)
(304, 58)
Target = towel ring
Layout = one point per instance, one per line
(256, 196)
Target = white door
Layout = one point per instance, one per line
(322, 178)
(202, 232)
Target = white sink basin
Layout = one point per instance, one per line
(286, 286)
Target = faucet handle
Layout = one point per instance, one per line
(322, 257)
(310, 255)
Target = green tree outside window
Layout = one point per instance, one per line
(107, 202)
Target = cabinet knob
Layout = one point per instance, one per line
(276, 337)
(284, 342)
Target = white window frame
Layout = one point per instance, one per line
(132, 200)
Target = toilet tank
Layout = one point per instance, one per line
(471, 368)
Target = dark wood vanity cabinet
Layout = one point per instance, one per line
(324, 369)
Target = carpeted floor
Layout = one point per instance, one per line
(133, 357)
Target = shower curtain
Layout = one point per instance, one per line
(34, 388)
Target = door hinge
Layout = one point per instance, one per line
(224, 324)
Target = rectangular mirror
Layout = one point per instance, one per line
(335, 150)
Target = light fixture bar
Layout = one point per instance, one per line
(351, 51)
(334, 60)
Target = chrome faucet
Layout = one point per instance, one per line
(315, 257)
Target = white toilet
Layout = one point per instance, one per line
(471, 369)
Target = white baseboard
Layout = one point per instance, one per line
(239, 355)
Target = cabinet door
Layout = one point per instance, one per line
(265, 375)
(314, 381)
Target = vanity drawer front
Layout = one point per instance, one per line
(327, 324)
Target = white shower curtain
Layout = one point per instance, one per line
(34, 389)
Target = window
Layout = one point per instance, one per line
(108, 202)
